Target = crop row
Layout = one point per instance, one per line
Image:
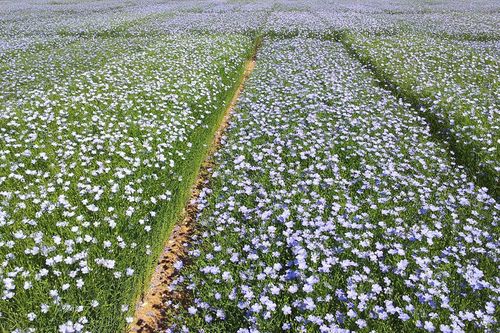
(456, 86)
(95, 165)
(332, 209)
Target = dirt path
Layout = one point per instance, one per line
(149, 310)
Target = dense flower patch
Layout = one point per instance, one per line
(236, 21)
(468, 25)
(456, 84)
(333, 210)
(293, 23)
(23, 73)
(94, 166)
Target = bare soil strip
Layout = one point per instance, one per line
(149, 312)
